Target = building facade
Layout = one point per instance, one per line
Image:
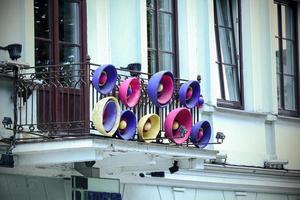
(245, 51)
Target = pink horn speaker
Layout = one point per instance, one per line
(178, 125)
(130, 91)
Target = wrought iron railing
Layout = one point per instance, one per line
(57, 101)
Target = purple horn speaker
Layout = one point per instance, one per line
(189, 94)
(200, 134)
(178, 125)
(127, 126)
(160, 88)
(200, 102)
(104, 78)
(130, 91)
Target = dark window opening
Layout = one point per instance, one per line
(286, 52)
(162, 36)
(229, 52)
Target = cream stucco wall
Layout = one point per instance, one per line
(17, 26)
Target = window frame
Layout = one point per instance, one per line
(222, 102)
(82, 92)
(54, 40)
(157, 51)
(281, 74)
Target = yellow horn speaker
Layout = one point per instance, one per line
(149, 127)
(106, 116)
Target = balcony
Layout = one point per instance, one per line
(52, 106)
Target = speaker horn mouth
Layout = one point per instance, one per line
(109, 115)
(130, 91)
(104, 78)
(106, 116)
(178, 125)
(200, 134)
(160, 88)
(149, 127)
(127, 126)
(189, 94)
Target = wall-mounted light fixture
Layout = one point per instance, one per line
(174, 168)
(7, 122)
(14, 50)
(7, 160)
(134, 68)
(220, 137)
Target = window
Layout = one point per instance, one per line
(60, 43)
(59, 31)
(228, 43)
(286, 57)
(162, 36)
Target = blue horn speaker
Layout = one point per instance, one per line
(200, 134)
(127, 126)
(104, 78)
(200, 102)
(160, 88)
(189, 94)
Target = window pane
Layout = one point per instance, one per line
(165, 5)
(166, 61)
(42, 53)
(227, 46)
(223, 12)
(288, 57)
(277, 54)
(42, 57)
(287, 22)
(231, 83)
(151, 29)
(289, 93)
(165, 32)
(152, 61)
(41, 19)
(68, 21)
(279, 91)
(150, 3)
(275, 8)
(69, 74)
(69, 54)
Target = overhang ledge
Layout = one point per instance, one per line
(97, 148)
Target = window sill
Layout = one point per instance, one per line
(242, 112)
(288, 113)
(288, 118)
(229, 104)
